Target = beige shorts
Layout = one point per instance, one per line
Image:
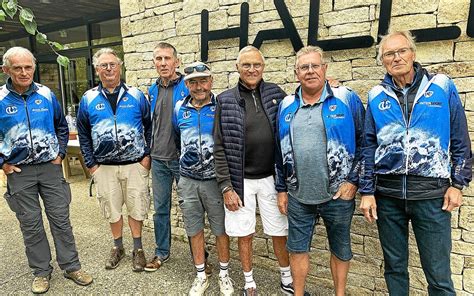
(122, 184)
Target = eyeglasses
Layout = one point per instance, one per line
(390, 55)
(197, 68)
(305, 67)
(247, 66)
(105, 66)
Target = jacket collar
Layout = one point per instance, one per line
(33, 87)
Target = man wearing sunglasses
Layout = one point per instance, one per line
(416, 162)
(198, 192)
(319, 132)
(244, 147)
(114, 129)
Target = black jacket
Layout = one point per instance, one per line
(229, 133)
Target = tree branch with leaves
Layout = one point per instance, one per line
(27, 19)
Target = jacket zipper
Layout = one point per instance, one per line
(200, 139)
(29, 128)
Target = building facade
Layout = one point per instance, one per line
(347, 30)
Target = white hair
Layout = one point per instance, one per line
(17, 51)
(106, 50)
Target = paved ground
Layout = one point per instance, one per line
(94, 242)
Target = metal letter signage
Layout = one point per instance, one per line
(289, 30)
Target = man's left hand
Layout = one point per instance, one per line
(346, 191)
(452, 199)
(282, 200)
(146, 162)
(57, 161)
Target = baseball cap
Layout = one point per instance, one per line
(197, 69)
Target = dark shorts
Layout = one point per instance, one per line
(197, 198)
(337, 217)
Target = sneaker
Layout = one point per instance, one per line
(199, 286)
(138, 261)
(226, 286)
(287, 289)
(208, 268)
(250, 292)
(155, 263)
(116, 254)
(40, 284)
(80, 277)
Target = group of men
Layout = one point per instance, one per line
(300, 157)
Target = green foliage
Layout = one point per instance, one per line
(10, 7)
(27, 19)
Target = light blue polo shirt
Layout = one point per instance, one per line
(310, 153)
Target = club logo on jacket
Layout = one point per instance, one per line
(38, 102)
(11, 110)
(213, 108)
(288, 117)
(332, 108)
(100, 107)
(186, 114)
(428, 93)
(385, 105)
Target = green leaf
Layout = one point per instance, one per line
(26, 15)
(63, 61)
(41, 38)
(57, 45)
(2, 15)
(30, 27)
(10, 7)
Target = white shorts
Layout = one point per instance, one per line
(242, 222)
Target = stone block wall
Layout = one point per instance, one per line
(146, 22)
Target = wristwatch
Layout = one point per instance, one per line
(457, 186)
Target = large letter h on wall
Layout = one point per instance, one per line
(241, 32)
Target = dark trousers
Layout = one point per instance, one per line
(432, 229)
(23, 192)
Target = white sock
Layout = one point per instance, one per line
(224, 269)
(200, 268)
(249, 282)
(285, 274)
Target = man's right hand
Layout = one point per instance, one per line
(93, 169)
(10, 169)
(232, 201)
(369, 207)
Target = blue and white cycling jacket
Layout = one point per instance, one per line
(433, 143)
(194, 129)
(108, 138)
(32, 130)
(343, 117)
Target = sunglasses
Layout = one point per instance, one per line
(198, 68)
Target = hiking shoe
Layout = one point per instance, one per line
(80, 277)
(226, 286)
(40, 284)
(155, 263)
(138, 261)
(199, 286)
(116, 254)
(208, 267)
(250, 292)
(287, 289)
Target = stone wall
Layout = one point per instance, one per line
(145, 22)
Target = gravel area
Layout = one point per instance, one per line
(94, 241)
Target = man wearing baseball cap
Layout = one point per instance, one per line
(198, 192)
